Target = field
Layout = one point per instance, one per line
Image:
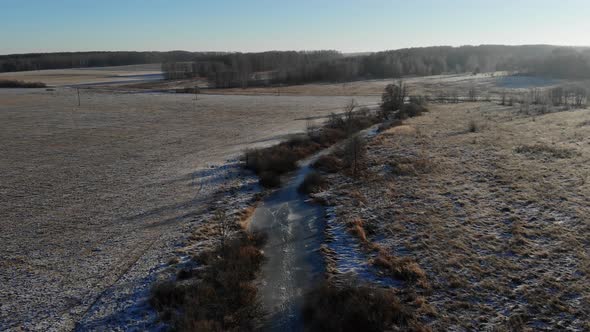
(491, 204)
(487, 84)
(96, 198)
(112, 75)
(93, 197)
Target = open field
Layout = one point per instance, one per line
(488, 83)
(112, 75)
(491, 204)
(93, 197)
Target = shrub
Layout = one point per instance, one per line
(411, 110)
(313, 182)
(20, 84)
(223, 298)
(356, 308)
(167, 295)
(328, 163)
(328, 136)
(273, 161)
(389, 124)
(392, 99)
(355, 152)
(269, 179)
(278, 159)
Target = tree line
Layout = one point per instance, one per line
(291, 67)
(247, 69)
(64, 60)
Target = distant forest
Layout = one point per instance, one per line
(290, 67)
(246, 69)
(64, 60)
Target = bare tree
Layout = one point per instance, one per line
(349, 116)
(355, 153)
(393, 98)
(557, 96)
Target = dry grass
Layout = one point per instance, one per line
(357, 228)
(545, 150)
(328, 163)
(217, 297)
(500, 236)
(411, 166)
(354, 307)
(404, 268)
(312, 183)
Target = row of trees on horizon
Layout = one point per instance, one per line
(291, 67)
(247, 69)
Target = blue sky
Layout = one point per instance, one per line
(257, 25)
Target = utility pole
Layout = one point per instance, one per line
(78, 89)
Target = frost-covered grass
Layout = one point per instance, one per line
(499, 236)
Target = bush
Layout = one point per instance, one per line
(167, 295)
(411, 110)
(329, 136)
(271, 162)
(389, 124)
(313, 182)
(223, 298)
(20, 84)
(392, 99)
(356, 308)
(277, 159)
(269, 179)
(355, 152)
(328, 163)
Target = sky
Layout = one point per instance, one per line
(261, 25)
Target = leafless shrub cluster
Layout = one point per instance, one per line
(269, 163)
(219, 297)
(352, 307)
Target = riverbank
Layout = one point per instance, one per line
(492, 213)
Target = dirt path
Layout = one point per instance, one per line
(91, 196)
